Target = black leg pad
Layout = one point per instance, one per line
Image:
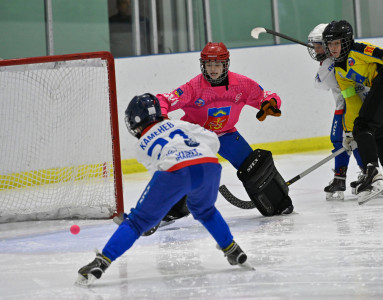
(264, 185)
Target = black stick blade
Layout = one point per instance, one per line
(234, 200)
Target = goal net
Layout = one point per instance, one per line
(59, 140)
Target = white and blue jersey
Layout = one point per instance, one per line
(173, 144)
(182, 158)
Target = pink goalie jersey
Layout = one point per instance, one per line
(215, 108)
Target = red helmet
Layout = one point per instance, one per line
(215, 51)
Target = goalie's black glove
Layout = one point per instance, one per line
(268, 108)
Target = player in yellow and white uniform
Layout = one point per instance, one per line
(325, 80)
(360, 63)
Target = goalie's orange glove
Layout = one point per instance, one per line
(268, 108)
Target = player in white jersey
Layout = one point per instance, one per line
(325, 79)
(182, 158)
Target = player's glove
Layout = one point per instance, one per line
(268, 108)
(348, 142)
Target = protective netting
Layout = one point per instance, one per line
(56, 152)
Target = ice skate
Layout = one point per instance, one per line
(234, 254)
(354, 184)
(178, 211)
(151, 230)
(336, 187)
(92, 271)
(166, 222)
(371, 186)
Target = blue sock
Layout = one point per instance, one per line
(122, 239)
(219, 229)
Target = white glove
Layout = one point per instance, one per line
(348, 142)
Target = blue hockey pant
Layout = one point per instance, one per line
(199, 182)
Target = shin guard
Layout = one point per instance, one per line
(264, 185)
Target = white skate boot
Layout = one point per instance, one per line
(372, 184)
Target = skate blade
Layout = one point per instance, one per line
(247, 266)
(165, 223)
(365, 196)
(84, 282)
(151, 230)
(335, 196)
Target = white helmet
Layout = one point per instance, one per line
(315, 36)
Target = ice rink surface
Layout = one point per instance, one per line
(324, 250)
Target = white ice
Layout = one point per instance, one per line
(324, 250)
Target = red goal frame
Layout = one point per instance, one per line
(107, 56)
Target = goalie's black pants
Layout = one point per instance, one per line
(368, 126)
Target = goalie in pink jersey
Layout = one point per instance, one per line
(214, 100)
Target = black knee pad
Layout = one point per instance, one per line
(264, 185)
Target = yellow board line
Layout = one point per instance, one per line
(54, 175)
(280, 147)
(34, 178)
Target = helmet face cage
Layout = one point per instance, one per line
(346, 44)
(315, 40)
(341, 31)
(225, 63)
(314, 55)
(142, 111)
(136, 133)
(215, 52)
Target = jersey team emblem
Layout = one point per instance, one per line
(179, 92)
(199, 102)
(351, 61)
(368, 50)
(354, 76)
(217, 118)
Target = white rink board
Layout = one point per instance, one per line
(285, 69)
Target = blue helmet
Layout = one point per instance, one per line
(142, 111)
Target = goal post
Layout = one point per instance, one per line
(59, 138)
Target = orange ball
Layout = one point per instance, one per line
(75, 229)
